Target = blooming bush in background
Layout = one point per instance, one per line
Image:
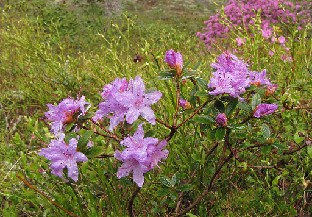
(243, 13)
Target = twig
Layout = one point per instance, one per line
(44, 195)
(247, 119)
(196, 111)
(295, 150)
(259, 167)
(109, 134)
(178, 92)
(200, 197)
(105, 156)
(130, 203)
(163, 123)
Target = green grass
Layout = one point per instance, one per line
(51, 51)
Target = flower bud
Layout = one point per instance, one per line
(264, 109)
(221, 120)
(270, 89)
(185, 104)
(174, 60)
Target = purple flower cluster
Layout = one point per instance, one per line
(264, 109)
(140, 156)
(64, 113)
(122, 98)
(232, 76)
(243, 13)
(63, 155)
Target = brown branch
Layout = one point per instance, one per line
(200, 197)
(178, 93)
(45, 196)
(163, 123)
(247, 119)
(297, 149)
(259, 167)
(108, 135)
(130, 203)
(212, 150)
(196, 111)
(105, 156)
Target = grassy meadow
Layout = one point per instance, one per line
(50, 50)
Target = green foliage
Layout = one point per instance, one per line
(50, 51)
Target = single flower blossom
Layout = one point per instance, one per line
(122, 98)
(140, 155)
(65, 112)
(264, 109)
(231, 76)
(281, 40)
(240, 41)
(259, 78)
(110, 107)
(63, 155)
(137, 102)
(221, 120)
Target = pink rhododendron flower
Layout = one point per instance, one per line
(240, 41)
(122, 98)
(140, 156)
(264, 109)
(243, 13)
(64, 113)
(63, 155)
(259, 78)
(231, 76)
(281, 40)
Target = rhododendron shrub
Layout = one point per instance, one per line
(234, 97)
(243, 13)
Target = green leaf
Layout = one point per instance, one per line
(201, 93)
(256, 100)
(266, 132)
(84, 139)
(69, 136)
(298, 139)
(167, 75)
(230, 107)
(166, 181)
(280, 146)
(220, 132)
(219, 105)
(162, 192)
(203, 119)
(309, 150)
(244, 106)
(191, 215)
(186, 187)
(266, 149)
(197, 65)
(201, 82)
(174, 180)
(95, 151)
